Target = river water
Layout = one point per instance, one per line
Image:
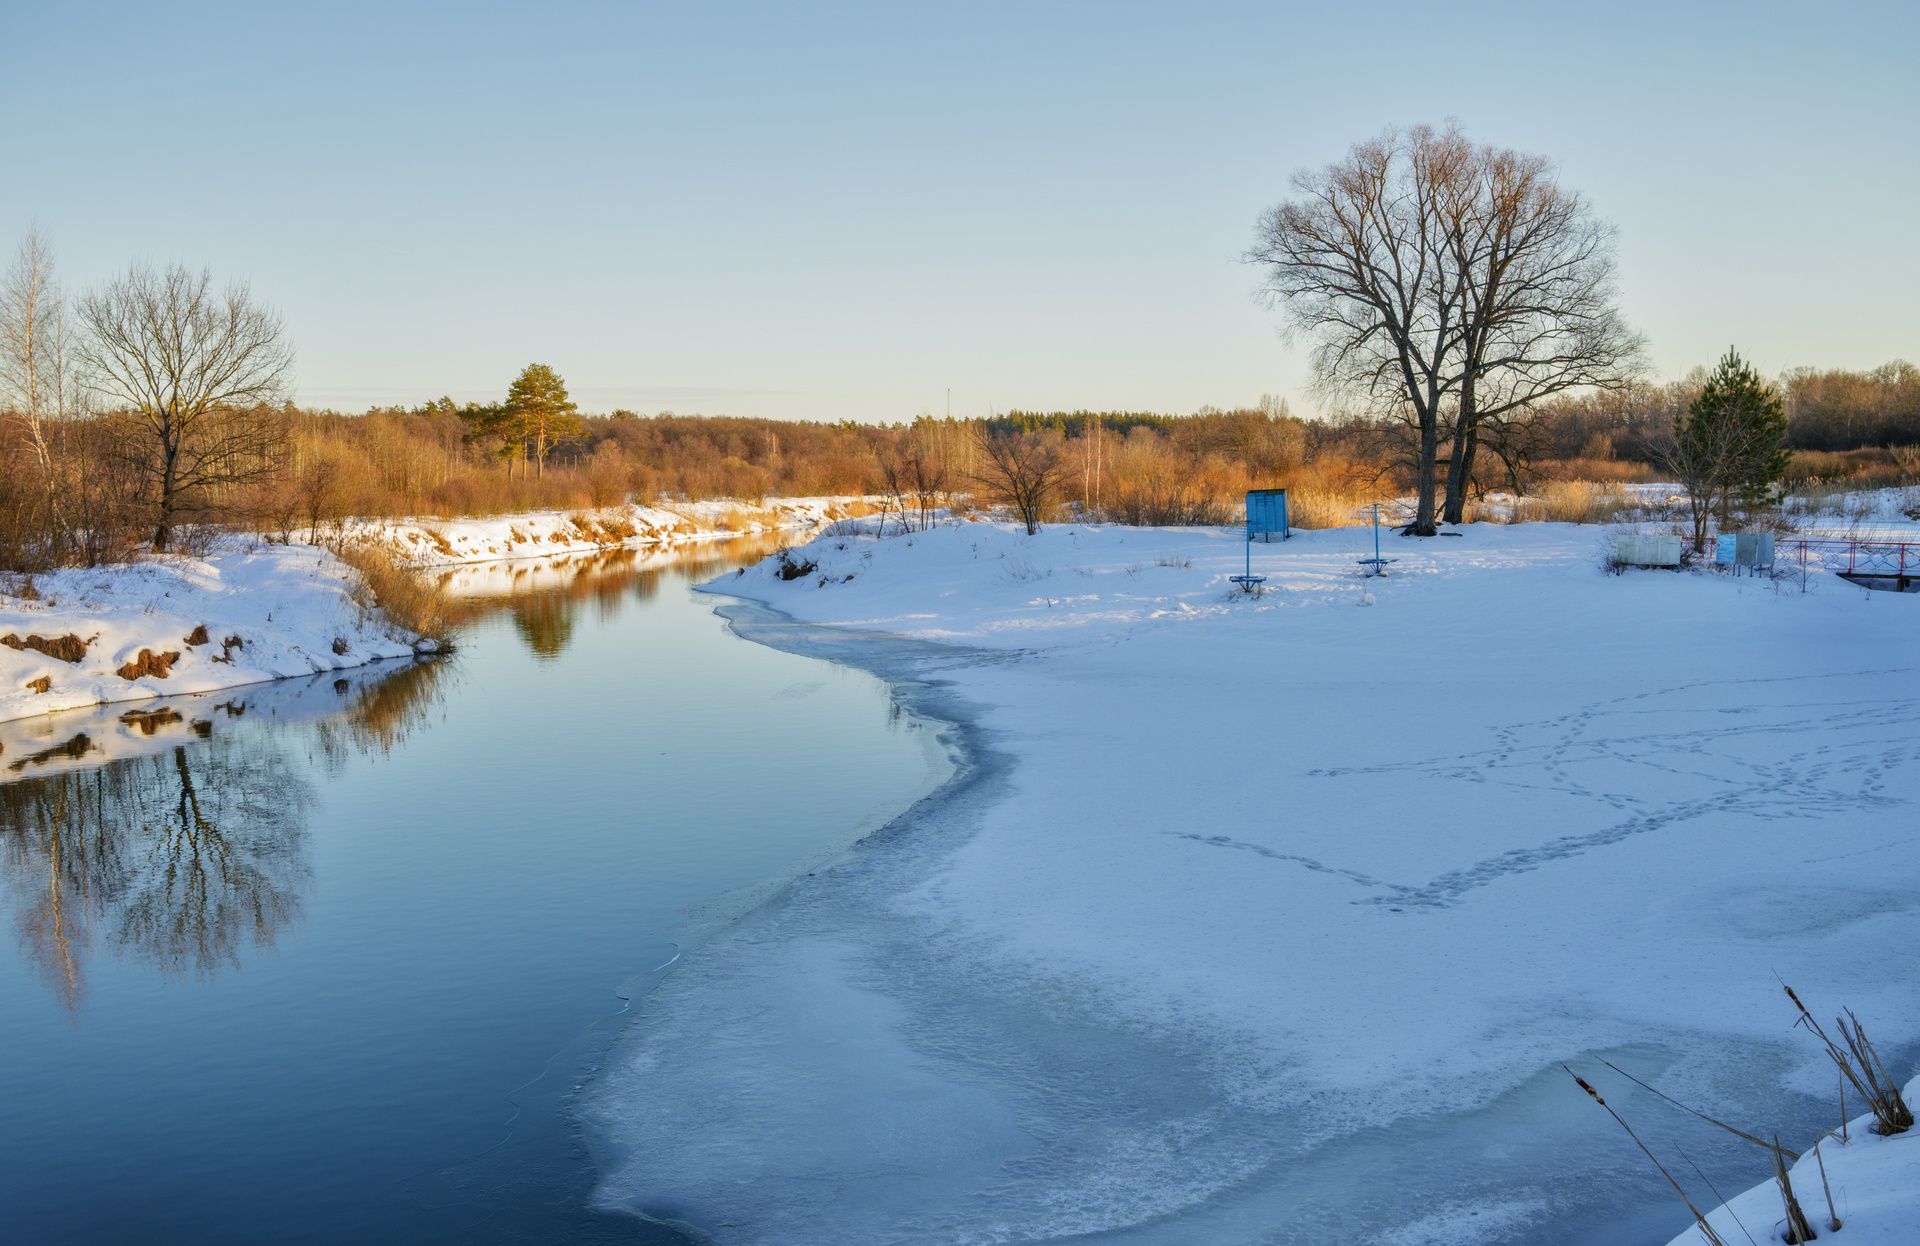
(329, 959)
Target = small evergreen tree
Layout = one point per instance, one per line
(1729, 444)
(539, 414)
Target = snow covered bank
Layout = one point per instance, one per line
(288, 606)
(172, 624)
(1875, 1183)
(1273, 916)
(440, 542)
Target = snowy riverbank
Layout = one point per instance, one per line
(251, 611)
(244, 613)
(1875, 1183)
(442, 542)
(1267, 897)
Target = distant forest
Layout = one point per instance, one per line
(316, 468)
(1129, 465)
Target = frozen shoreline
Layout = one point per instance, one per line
(911, 945)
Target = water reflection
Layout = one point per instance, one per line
(174, 834)
(175, 858)
(545, 596)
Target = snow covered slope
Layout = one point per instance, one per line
(1876, 1192)
(1269, 897)
(286, 606)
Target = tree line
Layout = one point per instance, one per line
(1458, 302)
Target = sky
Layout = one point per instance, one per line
(850, 211)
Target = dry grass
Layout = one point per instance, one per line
(68, 648)
(1328, 494)
(1699, 1218)
(1576, 501)
(1860, 1066)
(384, 583)
(149, 665)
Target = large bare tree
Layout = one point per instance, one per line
(1445, 284)
(1359, 262)
(1536, 281)
(196, 371)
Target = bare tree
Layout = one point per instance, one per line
(33, 372)
(1358, 261)
(1443, 284)
(913, 475)
(195, 371)
(1536, 283)
(1024, 471)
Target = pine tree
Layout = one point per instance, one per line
(539, 414)
(1730, 444)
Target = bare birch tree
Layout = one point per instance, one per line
(33, 369)
(195, 372)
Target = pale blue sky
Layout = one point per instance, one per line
(841, 210)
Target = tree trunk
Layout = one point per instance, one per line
(163, 528)
(1423, 524)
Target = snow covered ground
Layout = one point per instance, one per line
(1875, 1183)
(245, 613)
(438, 542)
(1270, 918)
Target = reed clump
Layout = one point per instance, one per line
(1860, 1065)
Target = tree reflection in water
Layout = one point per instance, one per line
(544, 597)
(192, 849)
(176, 858)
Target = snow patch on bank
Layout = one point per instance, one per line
(288, 606)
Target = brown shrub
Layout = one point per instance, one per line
(68, 648)
(1575, 501)
(197, 637)
(158, 665)
(385, 584)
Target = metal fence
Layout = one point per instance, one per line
(1862, 557)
